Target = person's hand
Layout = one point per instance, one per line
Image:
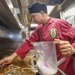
(65, 47)
(8, 59)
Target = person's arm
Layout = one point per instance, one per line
(65, 47)
(22, 50)
(8, 59)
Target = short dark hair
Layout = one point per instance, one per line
(37, 7)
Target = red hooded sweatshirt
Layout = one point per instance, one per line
(43, 33)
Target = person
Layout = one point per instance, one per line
(49, 29)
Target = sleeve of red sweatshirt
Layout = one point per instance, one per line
(23, 49)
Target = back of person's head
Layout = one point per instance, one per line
(37, 7)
